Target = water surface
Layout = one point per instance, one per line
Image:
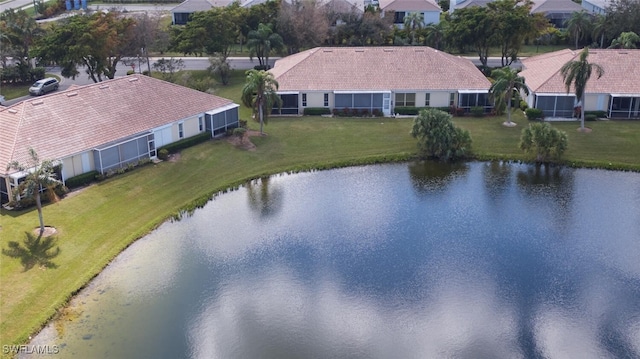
(475, 260)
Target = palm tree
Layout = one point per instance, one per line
(261, 42)
(578, 25)
(40, 174)
(626, 40)
(578, 73)
(599, 28)
(436, 34)
(259, 93)
(413, 22)
(507, 81)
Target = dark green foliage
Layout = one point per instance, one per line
(438, 137)
(533, 114)
(185, 143)
(477, 111)
(81, 180)
(316, 111)
(523, 105)
(163, 154)
(597, 114)
(544, 141)
(590, 117)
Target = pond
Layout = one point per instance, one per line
(414, 260)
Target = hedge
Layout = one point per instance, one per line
(411, 110)
(81, 180)
(597, 114)
(316, 111)
(187, 142)
(534, 113)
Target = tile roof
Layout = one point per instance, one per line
(469, 3)
(376, 68)
(621, 71)
(555, 6)
(409, 5)
(67, 122)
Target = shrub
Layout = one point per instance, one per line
(364, 112)
(406, 110)
(130, 72)
(597, 114)
(534, 114)
(523, 105)
(243, 123)
(438, 137)
(163, 154)
(81, 180)
(477, 111)
(376, 112)
(187, 142)
(590, 117)
(459, 111)
(544, 141)
(316, 111)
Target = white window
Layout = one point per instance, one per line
(180, 130)
(201, 123)
(304, 100)
(326, 100)
(427, 99)
(452, 99)
(405, 99)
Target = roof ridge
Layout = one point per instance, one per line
(311, 53)
(559, 53)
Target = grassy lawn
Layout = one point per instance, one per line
(98, 222)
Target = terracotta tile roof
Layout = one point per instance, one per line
(376, 68)
(621, 71)
(68, 122)
(409, 5)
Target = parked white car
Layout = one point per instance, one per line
(43, 86)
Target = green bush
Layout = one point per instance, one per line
(523, 105)
(597, 114)
(131, 72)
(477, 111)
(438, 137)
(185, 143)
(407, 110)
(163, 154)
(543, 141)
(534, 114)
(81, 180)
(590, 117)
(316, 111)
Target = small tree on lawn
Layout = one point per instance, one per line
(40, 174)
(506, 81)
(578, 73)
(260, 94)
(544, 141)
(438, 137)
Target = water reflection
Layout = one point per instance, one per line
(480, 260)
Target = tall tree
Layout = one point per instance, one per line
(302, 24)
(513, 23)
(474, 26)
(577, 73)
(19, 32)
(40, 175)
(436, 34)
(626, 40)
(623, 15)
(506, 82)
(579, 25)
(98, 42)
(413, 22)
(261, 42)
(599, 27)
(212, 32)
(260, 94)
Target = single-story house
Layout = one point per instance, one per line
(378, 79)
(105, 126)
(429, 9)
(181, 13)
(617, 92)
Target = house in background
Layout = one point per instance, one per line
(557, 11)
(378, 79)
(617, 92)
(429, 9)
(596, 6)
(107, 125)
(180, 14)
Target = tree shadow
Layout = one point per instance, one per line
(36, 250)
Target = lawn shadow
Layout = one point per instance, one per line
(36, 250)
